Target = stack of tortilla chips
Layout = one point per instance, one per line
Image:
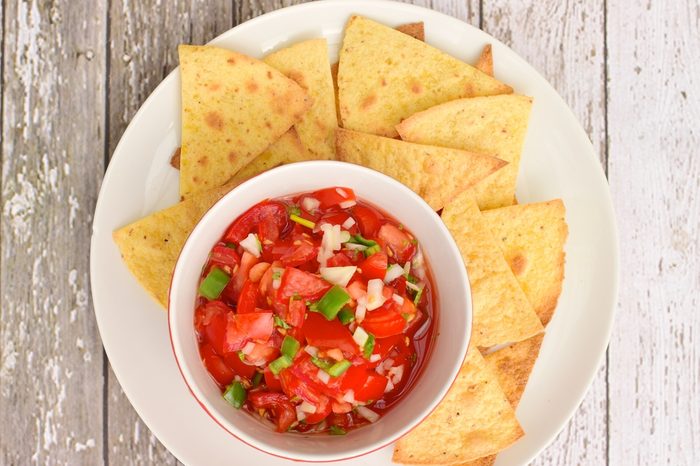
(448, 130)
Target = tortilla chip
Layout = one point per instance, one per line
(474, 420)
(437, 174)
(489, 125)
(334, 75)
(233, 108)
(485, 61)
(502, 313)
(415, 30)
(532, 237)
(287, 149)
(150, 246)
(307, 64)
(385, 76)
(512, 366)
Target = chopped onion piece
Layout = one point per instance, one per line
(276, 283)
(323, 376)
(344, 237)
(380, 369)
(301, 415)
(312, 350)
(307, 407)
(413, 286)
(389, 386)
(375, 358)
(398, 299)
(347, 204)
(367, 413)
(407, 268)
(349, 397)
(310, 204)
(375, 297)
(392, 273)
(360, 336)
(418, 265)
(347, 224)
(396, 374)
(355, 247)
(361, 309)
(342, 192)
(248, 348)
(251, 244)
(338, 275)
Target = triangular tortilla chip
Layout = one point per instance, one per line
(474, 420)
(287, 149)
(233, 108)
(385, 76)
(533, 238)
(485, 62)
(437, 174)
(490, 125)
(502, 313)
(150, 246)
(512, 366)
(415, 30)
(307, 64)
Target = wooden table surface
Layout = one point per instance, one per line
(75, 71)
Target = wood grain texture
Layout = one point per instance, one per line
(564, 40)
(144, 36)
(52, 129)
(654, 76)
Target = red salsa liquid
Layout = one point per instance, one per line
(315, 311)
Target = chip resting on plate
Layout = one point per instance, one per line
(150, 246)
(287, 149)
(474, 420)
(437, 174)
(385, 76)
(512, 366)
(502, 312)
(485, 61)
(233, 108)
(533, 238)
(491, 125)
(307, 64)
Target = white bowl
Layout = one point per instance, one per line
(454, 309)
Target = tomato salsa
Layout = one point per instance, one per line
(315, 311)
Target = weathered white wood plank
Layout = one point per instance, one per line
(51, 382)
(466, 10)
(654, 172)
(144, 37)
(564, 40)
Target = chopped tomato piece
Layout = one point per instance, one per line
(242, 328)
(332, 197)
(368, 219)
(303, 284)
(248, 298)
(215, 365)
(323, 409)
(296, 313)
(244, 224)
(233, 361)
(210, 322)
(339, 260)
(384, 322)
(300, 254)
(374, 266)
(278, 403)
(357, 289)
(323, 333)
(365, 383)
(399, 243)
(224, 256)
(272, 382)
(263, 353)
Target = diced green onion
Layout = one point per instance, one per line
(406, 316)
(241, 355)
(235, 394)
(371, 250)
(419, 295)
(280, 363)
(215, 282)
(257, 378)
(302, 221)
(332, 302)
(281, 323)
(368, 346)
(290, 346)
(293, 210)
(358, 239)
(346, 316)
(335, 430)
(410, 278)
(321, 363)
(339, 368)
(231, 245)
(276, 274)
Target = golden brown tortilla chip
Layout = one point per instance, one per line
(485, 61)
(512, 366)
(502, 313)
(415, 30)
(437, 174)
(474, 420)
(150, 246)
(233, 108)
(307, 64)
(287, 149)
(385, 76)
(533, 238)
(489, 125)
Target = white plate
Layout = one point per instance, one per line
(558, 161)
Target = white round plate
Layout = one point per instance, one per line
(558, 162)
